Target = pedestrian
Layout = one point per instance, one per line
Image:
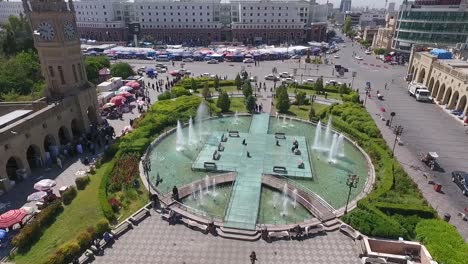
(253, 257)
(59, 162)
(385, 86)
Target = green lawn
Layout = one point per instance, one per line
(303, 110)
(312, 92)
(228, 89)
(237, 104)
(84, 211)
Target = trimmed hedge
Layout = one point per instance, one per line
(69, 195)
(32, 232)
(82, 182)
(443, 241)
(65, 254)
(102, 194)
(406, 209)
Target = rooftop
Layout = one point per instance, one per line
(13, 116)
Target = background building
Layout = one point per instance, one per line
(434, 23)
(391, 7)
(198, 22)
(384, 36)
(345, 6)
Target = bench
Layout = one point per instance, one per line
(312, 230)
(138, 216)
(209, 165)
(223, 138)
(220, 147)
(278, 235)
(121, 228)
(234, 133)
(88, 255)
(350, 231)
(193, 224)
(280, 169)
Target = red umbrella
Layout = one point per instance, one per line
(125, 94)
(12, 217)
(382, 109)
(117, 100)
(134, 84)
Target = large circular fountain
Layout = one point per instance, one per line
(246, 170)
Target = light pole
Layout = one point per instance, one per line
(146, 162)
(398, 132)
(351, 182)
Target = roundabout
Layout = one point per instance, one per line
(256, 172)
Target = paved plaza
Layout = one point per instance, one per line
(154, 241)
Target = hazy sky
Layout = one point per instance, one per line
(370, 3)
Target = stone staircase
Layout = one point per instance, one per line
(238, 234)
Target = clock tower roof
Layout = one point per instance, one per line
(48, 6)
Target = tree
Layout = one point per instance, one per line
(348, 24)
(193, 84)
(247, 89)
(245, 75)
(92, 70)
(122, 69)
(216, 82)
(300, 98)
(343, 89)
(319, 85)
(238, 82)
(282, 99)
(223, 103)
(250, 103)
(206, 91)
(17, 36)
(311, 113)
(103, 61)
(379, 51)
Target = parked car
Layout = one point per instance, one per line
(271, 77)
(160, 65)
(331, 82)
(358, 58)
(212, 62)
(336, 56)
(461, 179)
(248, 60)
(295, 57)
(288, 80)
(162, 70)
(309, 81)
(187, 60)
(206, 74)
(285, 75)
(368, 52)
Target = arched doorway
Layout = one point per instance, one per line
(33, 155)
(415, 75)
(462, 103)
(454, 100)
(435, 89)
(447, 96)
(92, 115)
(441, 92)
(64, 136)
(50, 146)
(75, 128)
(422, 75)
(12, 167)
(431, 85)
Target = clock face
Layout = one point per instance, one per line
(46, 31)
(69, 30)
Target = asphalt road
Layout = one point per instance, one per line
(427, 127)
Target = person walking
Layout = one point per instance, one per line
(253, 257)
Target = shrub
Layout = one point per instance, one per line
(28, 235)
(102, 194)
(282, 99)
(69, 195)
(115, 204)
(81, 182)
(65, 254)
(379, 51)
(92, 231)
(102, 226)
(165, 96)
(84, 239)
(127, 165)
(178, 91)
(47, 216)
(223, 102)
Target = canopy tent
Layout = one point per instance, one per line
(125, 89)
(118, 100)
(37, 196)
(12, 217)
(44, 185)
(134, 84)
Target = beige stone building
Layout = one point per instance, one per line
(384, 36)
(32, 133)
(447, 79)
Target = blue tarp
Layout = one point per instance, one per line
(441, 54)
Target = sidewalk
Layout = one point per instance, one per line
(415, 169)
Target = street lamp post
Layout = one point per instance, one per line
(146, 162)
(351, 182)
(398, 132)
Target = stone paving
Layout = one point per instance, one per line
(155, 241)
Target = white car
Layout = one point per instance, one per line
(187, 60)
(295, 57)
(248, 60)
(288, 80)
(161, 70)
(368, 52)
(271, 77)
(212, 62)
(309, 81)
(206, 74)
(331, 82)
(336, 56)
(285, 75)
(358, 58)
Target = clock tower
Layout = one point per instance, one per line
(57, 41)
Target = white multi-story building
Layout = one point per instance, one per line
(198, 21)
(10, 8)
